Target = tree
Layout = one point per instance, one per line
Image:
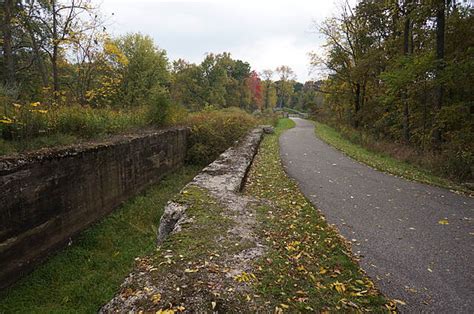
(398, 70)
(254, 84)
(145, 72)
(440, 43)
(8, 12)
(218, 80)
(268, 87)
(284, 85)
(64, 22)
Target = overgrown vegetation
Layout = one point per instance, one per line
(84, 276)
(401, 71)
(308, 266)
(388, 157)
(213, 131)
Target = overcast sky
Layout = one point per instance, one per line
(265, 33)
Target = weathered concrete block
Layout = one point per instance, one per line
(268, 129)
(48, 197)
(225, 175)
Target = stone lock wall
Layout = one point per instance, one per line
(45, 198)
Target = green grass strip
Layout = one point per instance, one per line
(383, 162)
(87, 274)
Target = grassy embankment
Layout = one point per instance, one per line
(384, 162)
(87, 274)
(308, 266)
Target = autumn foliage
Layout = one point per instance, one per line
(255, 86)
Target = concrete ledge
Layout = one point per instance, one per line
(226, 174)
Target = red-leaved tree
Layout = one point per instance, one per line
(255, 86)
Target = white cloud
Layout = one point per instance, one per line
(264, 33)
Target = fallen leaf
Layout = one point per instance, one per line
(156, 298)
(399, 302)
(300, 268)
(444, 221)
(339, 286)
(167, 311)
(187, 270)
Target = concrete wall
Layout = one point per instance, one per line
(46, 198)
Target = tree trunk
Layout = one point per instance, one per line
(54, 57)
(406, 51)
(267, 93)
(440, 37)
(38, 58)
(7, 43)
(356, 105)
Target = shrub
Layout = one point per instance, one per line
(177, 115)
(29, 122)
(270, 117)
(24, 121)
(160, 104)
(214, 131)
(6, 147)
(82, 121)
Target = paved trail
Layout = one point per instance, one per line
(393, 224)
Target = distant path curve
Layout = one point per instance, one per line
(393, 224)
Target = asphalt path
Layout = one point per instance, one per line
(397, 227)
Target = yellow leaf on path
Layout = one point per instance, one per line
(187, 270)
(156, 298)
(399, 302)
(285, 306)
(444, 221)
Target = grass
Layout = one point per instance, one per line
(383, 162)
(41, 126)
(308, 266)
(84, 276)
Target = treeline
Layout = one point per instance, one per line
(63, 76)
(403, 71)
(59, 52)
